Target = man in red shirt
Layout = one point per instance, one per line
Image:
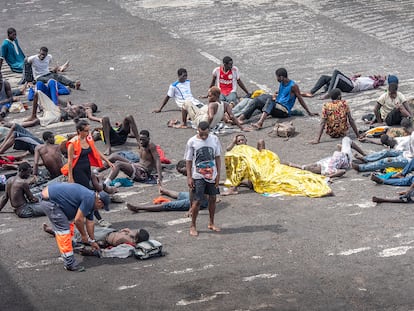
(226, 78)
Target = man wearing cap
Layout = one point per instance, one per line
(66, 205)
(392, 106)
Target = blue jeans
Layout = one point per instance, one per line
(383, 163)
(405, 181)
(232, 97)
(182, 203)
(375, 156)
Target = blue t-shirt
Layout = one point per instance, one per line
(70, 197)
(13, 54)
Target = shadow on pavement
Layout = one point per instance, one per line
(247, 229)
(12, 297)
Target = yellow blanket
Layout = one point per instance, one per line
(264, 170)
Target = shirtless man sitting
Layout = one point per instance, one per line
(21, 198)
(50, 154)
(149, 160)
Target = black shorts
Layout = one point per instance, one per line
(117, 138)
(394, 117)
(202, 187)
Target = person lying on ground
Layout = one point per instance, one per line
(109, 237)
(283, 100)
(12, 134)
(21, 198)
(268, 175)
(336, 118)
(338, 80)
(398, 156)
(240, 139)
(58, 113)
(149, 161)
(335, 165)
(397, 179)
(405, 197)
(181, 199)
(10, 162)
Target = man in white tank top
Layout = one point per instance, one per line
(212, 113)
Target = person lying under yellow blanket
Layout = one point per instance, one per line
(268, 175)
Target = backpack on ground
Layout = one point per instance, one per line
(148, 249)
(283, 129)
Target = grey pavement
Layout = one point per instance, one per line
(281, 253)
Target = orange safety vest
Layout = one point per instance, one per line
(94, 157)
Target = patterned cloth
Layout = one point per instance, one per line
(336, 115)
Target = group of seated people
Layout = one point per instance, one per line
(75, 155)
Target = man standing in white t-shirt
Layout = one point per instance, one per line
(41, 72)
(226, 78)
(202, 155)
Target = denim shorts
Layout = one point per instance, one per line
(202, 187)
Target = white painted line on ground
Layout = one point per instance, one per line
(259, 276)
(185, 302)
(210, 57)
(366, 204)
(127, 287)
(178, 221)
(396, 251)
(190, 270)
(354, 251)
(6, 230)
(21, 264)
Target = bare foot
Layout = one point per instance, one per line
(63, 67)
(181, 126)
(231, 191)
(30, 119)
(214, 228)
(47, 229)
(256, 126)
(377, 200)
(193, 231)
(77, 85)
(132, 208)
(241, 121)
(307, 95)
(359, 157)
(108, 151)
(355, 166)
